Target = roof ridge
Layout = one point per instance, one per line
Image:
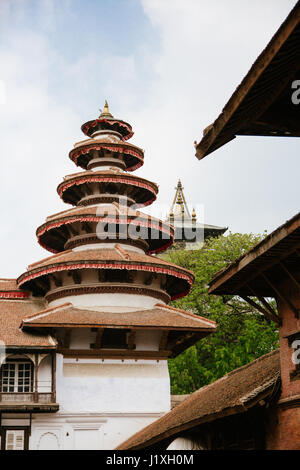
(259, 389)
(47, 310)
(235, 371)
(257, 246)
(124, 254)
(32, 265)
(255, 361)
(186, 312)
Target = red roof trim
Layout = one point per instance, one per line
(110, 122)
(139, 223)
(118, 265)
(13, 295)
(75, 153)
(111, 179)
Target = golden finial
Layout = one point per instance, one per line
(105, 112)
(194, 214)
(179, 184)
(179, 199)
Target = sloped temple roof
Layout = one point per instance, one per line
(234, 393)
(179, 329)
(12, 311)
(161, 316)
(269, 259)
(262, 104)
(179, 216)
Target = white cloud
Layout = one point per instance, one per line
(169, 94)
(206, 49)
(2, 92)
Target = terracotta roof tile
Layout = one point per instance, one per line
(10, 290)
(8, 284)
(105, 255)
(231, 394)
(157, 317)
(11, 315)
(109, 173)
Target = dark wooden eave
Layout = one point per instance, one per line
(28, 407)
(262, 105)
(260, 272)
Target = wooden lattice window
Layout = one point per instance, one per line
(17, 377)
(14, 438)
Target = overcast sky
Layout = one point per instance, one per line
(167, 67)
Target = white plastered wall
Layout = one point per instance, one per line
(102, 403)
(112, 385)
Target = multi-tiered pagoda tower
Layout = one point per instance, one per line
(188, 233)
(105, 298)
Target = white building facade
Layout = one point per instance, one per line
(87, 332)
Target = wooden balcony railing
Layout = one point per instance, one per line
(27, 398)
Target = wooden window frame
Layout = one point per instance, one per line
(17, 362)
(4, 429)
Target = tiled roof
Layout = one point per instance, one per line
(157, 235)
(109, 255)
(10, 290)
(261, 104)
(266, 257)
(117, 258)
(109, 174)
(109, 209)
(8, 284)
(233, 393)
(161, 316)
(11, 315)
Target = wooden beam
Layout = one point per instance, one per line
(114, 353)
(180, 340)
(88, 190)
(87, 227)
(292, 277)
(53, 378)
(57, 281)
(59, 236)
(67, 338)
(64, 230)
(76, 276)
(247, 259)
(98, 339)
(268, 307)
(42, 283)
(273, 314)
(36, 369)
(71, 230)
(281, 295)
(131, 340)
(261, 309)
(80, 191)
(164, 339)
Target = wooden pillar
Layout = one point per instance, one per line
(36, 370)
(53, 377)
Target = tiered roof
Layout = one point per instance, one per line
(185, 224)
(15, 304)
(92, 255)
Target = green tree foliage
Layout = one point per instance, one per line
(243, 334)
